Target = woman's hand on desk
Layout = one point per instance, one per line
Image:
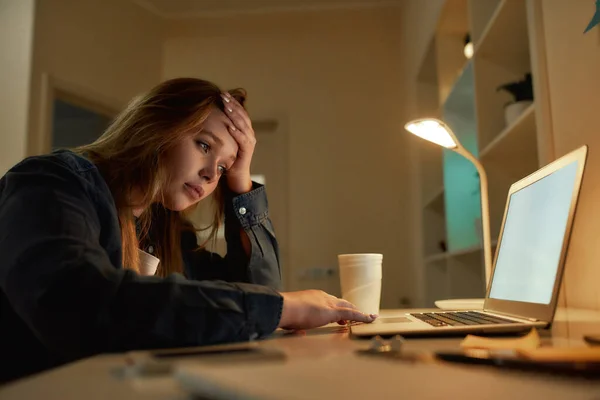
(313, 308)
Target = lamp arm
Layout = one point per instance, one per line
(485, 213)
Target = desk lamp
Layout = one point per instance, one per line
(438, 132)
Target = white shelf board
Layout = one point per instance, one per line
(457, 253)
(468, 250)
(436, 257)
(516, 144)
(505, 37)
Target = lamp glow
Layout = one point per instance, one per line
(433, 131)
(468, 50)
(438, 132)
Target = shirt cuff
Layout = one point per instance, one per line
(250, 208)
(263, 308)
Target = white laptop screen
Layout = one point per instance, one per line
(532, 239)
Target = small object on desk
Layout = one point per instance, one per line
(513, 360)
(594, 340)
(526, 353)
(393, 349)
(529, 341)
(206, 350)
(378, 345)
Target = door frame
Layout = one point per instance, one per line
(56, 88)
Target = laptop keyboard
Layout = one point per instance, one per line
(455, 318)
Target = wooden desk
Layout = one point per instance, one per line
(101, 377)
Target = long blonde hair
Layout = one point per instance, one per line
(130, 155)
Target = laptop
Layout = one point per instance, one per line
(528, 265)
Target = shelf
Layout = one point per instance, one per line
(505, 37)
(457, 253)
(469, 250)
(436, 257)
(480, 14)
(436, 201)
(515, 145)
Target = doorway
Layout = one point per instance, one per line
(75, 125)
(70, 115)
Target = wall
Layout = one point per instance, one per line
(336, 78)
(104, 50)
(573, 65)
(16, 41)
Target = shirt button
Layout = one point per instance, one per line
(242, 211)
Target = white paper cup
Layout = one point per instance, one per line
(360, 279)
(148, 263)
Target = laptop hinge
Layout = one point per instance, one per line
(511, 315)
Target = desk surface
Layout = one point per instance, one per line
(330, 355)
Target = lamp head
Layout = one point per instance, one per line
(434, 131)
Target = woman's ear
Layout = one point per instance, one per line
(240, 95)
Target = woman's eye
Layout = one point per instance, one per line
(204, 146)
(222, 170)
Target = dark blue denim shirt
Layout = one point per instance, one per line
(64, 294)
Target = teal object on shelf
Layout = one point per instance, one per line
(461, 181)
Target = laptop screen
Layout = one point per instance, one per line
(532, 240)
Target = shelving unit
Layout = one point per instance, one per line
(472, 105)
(436, 201)
(514, 141)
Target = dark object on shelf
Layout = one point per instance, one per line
(443, 246)
(520, 90)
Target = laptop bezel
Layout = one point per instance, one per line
(540, 312)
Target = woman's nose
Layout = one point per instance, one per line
(209, 172)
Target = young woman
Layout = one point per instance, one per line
(76, 228)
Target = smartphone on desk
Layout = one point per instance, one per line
(594, 340)
(589, 369)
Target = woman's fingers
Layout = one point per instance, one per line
(242, 138)
(350, 314)
(345, 304)
(237, 114)
(241, 126)
(235, 105)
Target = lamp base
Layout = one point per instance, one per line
(460, 304)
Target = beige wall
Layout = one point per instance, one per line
(16, 38)
(107, 50)
(336, 79)
(573, 73)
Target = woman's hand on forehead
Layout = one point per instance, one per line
(238, 176)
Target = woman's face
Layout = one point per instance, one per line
(197, 162)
